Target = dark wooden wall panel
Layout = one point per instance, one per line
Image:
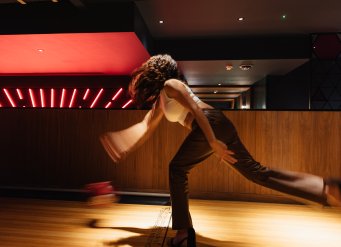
(59, 148)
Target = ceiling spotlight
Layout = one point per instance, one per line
(215, 91)
(21, 1)
(245, 66)
(229, 67)
(219, 84)
(55, 1)
(284, 16)
(241, 19)
(40, 50)
(161, 22)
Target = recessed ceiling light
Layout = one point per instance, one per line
(40, 50)
(55, 1)
(215, 91)
(229, 67)
(241, 19)
(161, 22)
(245, 66)
(284, 16)
(219, 84)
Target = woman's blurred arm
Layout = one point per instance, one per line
(119, 143)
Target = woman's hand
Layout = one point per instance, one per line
(115, 145)
(221, 150)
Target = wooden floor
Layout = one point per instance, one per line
(44, 223)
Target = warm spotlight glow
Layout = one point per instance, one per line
(107, 106)
(21, 1)
(42, 98)
(52, 97)
(241, 19)
(126, 104)
(229, 67)
(73, 97)
(63, 98)
(86, 94)
(97, 97)
(32, 97)
(117, 93)
(9, 97)
(19, 93)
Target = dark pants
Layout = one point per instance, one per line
(195, 149)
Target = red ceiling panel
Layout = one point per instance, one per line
(112, 53)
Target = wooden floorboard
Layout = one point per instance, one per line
(41, 223)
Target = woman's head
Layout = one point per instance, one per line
(148, 80)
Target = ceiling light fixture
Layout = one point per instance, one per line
(21, 1)
(215, 91)
(40, 50)
(219, 84)
(229, 67)
(161, 22)
(55, 1)
(284, 16)
(245, 67)
(241, 19)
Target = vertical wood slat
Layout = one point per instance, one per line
(59, 148)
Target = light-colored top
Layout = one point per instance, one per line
(172, 109)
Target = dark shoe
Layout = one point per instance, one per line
(190, 239)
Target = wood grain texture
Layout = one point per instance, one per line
(59, 148)
(41, 223)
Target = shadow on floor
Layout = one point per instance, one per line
(142, 239)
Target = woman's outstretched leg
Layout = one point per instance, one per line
(302, 185)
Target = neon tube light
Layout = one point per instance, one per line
(86, 94)
(19, 93)
(94, 102)
(62, 99)
(42, 98)
(126, 104)
(9, 97)
(32, 97)
(107, 106)
(52, 97)
(73, 97)
(116, 95)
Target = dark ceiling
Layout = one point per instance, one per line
(203, 36)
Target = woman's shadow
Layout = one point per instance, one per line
(146, 238)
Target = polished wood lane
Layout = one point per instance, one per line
(38, 223)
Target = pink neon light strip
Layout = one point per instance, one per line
(9, 97)
(86, 94)
(32, 97)
(126, 104)
(52, 97)
(62, 99)
(107, 106)
(116, 95)
(73, 97)
(0, 105)
(19, 93)
(93, 103)
(42, 98)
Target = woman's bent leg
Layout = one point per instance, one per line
(193, 150)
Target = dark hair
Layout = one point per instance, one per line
(148, 80)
